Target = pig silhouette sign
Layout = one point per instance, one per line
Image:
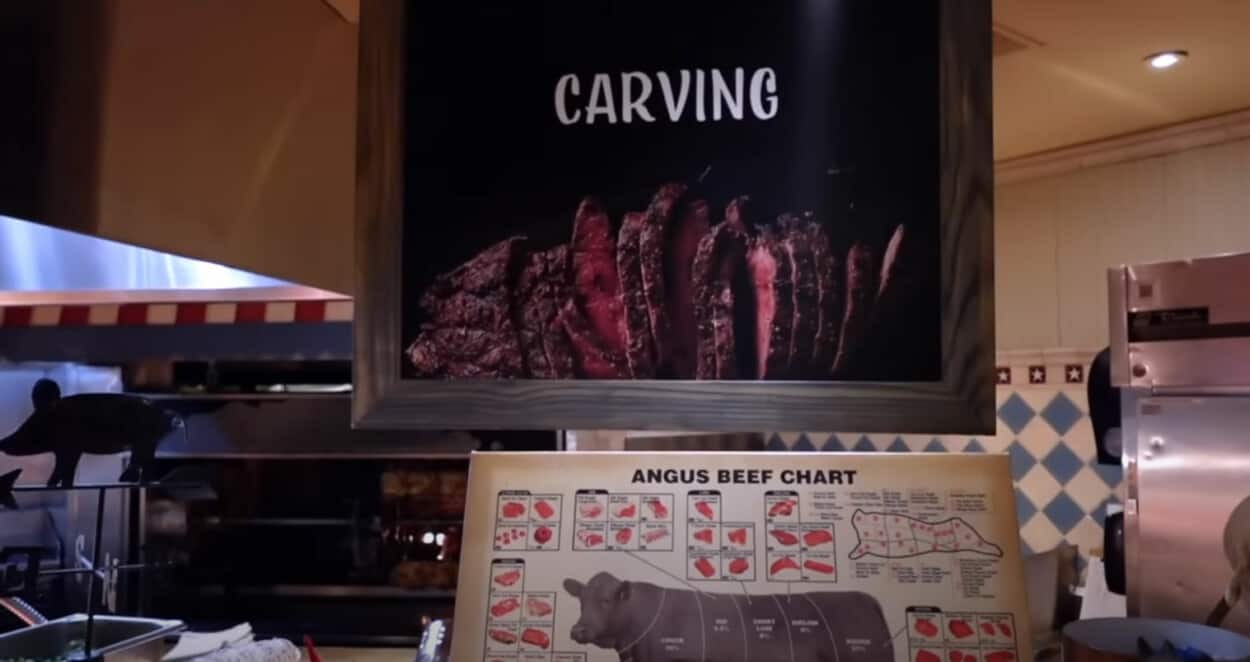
(643, 622)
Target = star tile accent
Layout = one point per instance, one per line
(1074, 373)
(1003, 374)
(1037, 374)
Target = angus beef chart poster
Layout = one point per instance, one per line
(685, 190)
(740, 557)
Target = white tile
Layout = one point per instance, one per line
(1038, 397)
(881, 441)
(916, 442)
(280, 311)
(339, 311)
(1040, 534)
(1087, 489)
(1038, 437)
(1001, 393)
(995, 444)
(219, 313)
(789, 438)
(162, 313)
(102, 314)
(1086, 535)
(1039, 486)
(45, 316)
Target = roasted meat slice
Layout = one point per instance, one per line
(591, 357)
(861, 290)
(596, 287)
(653, 248)
(829, 306)
(771, 275)
(689, 226)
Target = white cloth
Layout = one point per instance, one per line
(1098, 601)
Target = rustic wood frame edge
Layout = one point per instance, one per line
(962, 403)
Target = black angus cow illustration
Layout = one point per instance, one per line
(647, 623)
(95, 423)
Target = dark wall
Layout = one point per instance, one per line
(24, 70)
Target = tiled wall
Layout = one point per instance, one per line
(1043, 423)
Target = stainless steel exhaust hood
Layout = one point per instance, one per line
(42, 265)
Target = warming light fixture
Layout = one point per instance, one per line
(1166, 59)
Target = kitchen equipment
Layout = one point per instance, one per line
(435, 642)
(1117, 640)
(1180, 355)
(115, 639)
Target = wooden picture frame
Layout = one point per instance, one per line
(962, 402)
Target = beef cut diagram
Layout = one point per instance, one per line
(894, 536)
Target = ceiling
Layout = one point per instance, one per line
(1081, 76)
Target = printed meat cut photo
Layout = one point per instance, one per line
(680, 289)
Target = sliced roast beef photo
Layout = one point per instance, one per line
(722, 300)
(639, 346)
(596, 287)
(772, 278)
(829, 276)
(861, 291)
(806, 293)
(652, 251)
(690, 225)
(541, 289)
(469, 332)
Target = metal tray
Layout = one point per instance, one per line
(115, 639)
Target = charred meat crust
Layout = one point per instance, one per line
(828, 283)
(719, 260)
(639, 348)
(540, 289)
(592, 358)
(470, 331)
(806, 295)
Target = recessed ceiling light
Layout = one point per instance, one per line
(1166, 59)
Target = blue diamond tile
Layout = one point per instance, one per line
(974, 446)
(1063, 512)
(1021, 460)
(1016, 413)
(935, 446)
(1111, 474)
(864, 445)
(803, 444)
(1062, 463)
(832, 444)
(775, 444)
(1061, 413)
(898, 446)
(1099, 513)
(1024, 508)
